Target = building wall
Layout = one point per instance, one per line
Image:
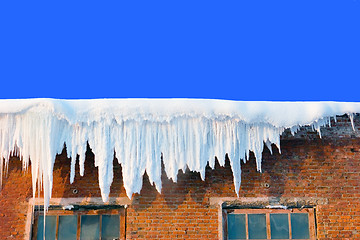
(308, 168)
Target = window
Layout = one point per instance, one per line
(81, 222)
(269, 224)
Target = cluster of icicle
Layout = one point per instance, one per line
(185, 133)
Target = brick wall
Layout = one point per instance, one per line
(308, 167)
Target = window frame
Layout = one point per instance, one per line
(267, 212)
(81, 210)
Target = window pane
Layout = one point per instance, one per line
(110, 227)
(236, 226)
(50, 228)
(67, 227)
(279, 226)
(257, 226)
(89, 227)
(300, 225)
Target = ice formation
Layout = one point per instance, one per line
(186, 133)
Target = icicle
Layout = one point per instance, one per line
(351, 116)
(1, 170)
(268, 145)
(182, 133)
(316, 127)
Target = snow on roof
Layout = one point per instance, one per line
(186, 133)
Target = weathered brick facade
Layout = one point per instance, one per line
(324, 173)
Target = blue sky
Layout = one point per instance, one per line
(242, 50)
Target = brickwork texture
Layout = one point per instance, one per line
(308, 167)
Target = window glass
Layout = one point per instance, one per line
(279, 226)
(257, 226)
(67, 227)
(300, 225)
(236, 226)
(90, 227)
(270, 223)
(87, 223)
(110, 227)
(50, 228)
